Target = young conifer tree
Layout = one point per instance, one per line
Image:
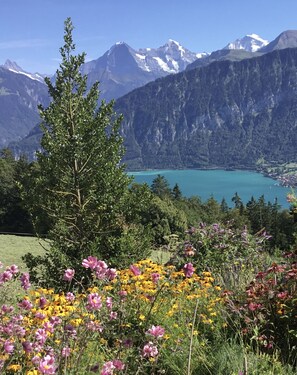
(79, 184)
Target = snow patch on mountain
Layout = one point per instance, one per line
(12, 66)
(250, 43)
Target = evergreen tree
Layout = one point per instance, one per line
(176, 192)
(160, 186)
(80, 184)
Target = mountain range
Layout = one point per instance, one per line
(228, 108)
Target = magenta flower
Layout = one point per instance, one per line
(25, 280)
(5, 276)
(188, 269)
(101, 269)
(156, 331)
(47, 365)
(41, 335)
(27, 346)
(94, 301)
(149, 350)
(111, 273)
(135, 270)
(155, 277)
(8, 347)
(66, 352)
(91, 262)
(109, 303)
(25, 304)
(14, 269)
(113, 315)
(69, 274)
(42, 302)
(70, 297)
(119, 365)
(107, 368)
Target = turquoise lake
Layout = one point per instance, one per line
(220, 184)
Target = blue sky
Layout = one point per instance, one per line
(31, 31)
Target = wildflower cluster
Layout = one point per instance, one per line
(268, 310)
(125, 321)
(221, 248)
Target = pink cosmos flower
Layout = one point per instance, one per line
(69, 274)
(42, 302)
(94, 301)
(188, 269)
(135, 270)
(47, 365)
(101, 269)
(155, 277)
(149, 350)
(14, 269)
(107, 368)
(91, 262)
(27, 346)
(109, 303)
(25, 280)
(119, 365)
(8, 347)
(26, 304)
(41, 335)
(70, 297)
(113, 315)
(5, 276)
(66, 352)
(111, 273)
(156, 331)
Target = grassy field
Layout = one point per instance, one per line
(12, 248)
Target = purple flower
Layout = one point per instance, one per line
(25, 280)
(188, 269)
(27, 346)
(14, 269)
(8, 347)
(26, 304)
(69, 274)
(6, 276)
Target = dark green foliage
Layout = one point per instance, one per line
(79, 183)
(13, 215)
(160, 186)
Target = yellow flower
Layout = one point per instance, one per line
(141, 317)
(32, 372)
(14, 367)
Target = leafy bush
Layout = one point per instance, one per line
(267, 311)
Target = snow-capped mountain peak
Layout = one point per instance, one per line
(15, 68)
(250, 43)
